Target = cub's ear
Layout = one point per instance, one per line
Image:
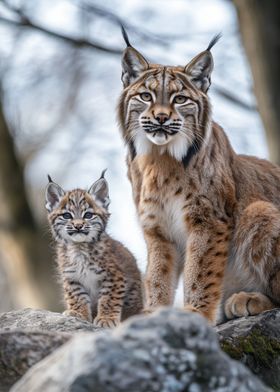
(200, 68)
(133, 63)
(53, 194)
(100, 191)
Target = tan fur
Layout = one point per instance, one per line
(212, 215)
(101, 281)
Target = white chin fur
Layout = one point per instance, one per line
(158, 139)
(176, 145)
(79, 238)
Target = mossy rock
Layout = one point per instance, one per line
(255, 341)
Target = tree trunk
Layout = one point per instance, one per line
(260, 29)
(24, 253)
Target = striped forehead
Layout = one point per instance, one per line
(76, 200)
(166, 81)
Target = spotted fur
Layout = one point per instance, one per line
(101, 281)
(206, 212)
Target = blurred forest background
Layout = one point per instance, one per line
(60, 80)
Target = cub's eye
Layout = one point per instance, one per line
(88, 215)
(67, 215)
(146, 97)
(180, 99)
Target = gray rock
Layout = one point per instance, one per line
(168, 351)
(29, 335)
(43, 320)
(255, 341)
(20, 350)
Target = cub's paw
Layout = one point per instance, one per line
(106, 322)
(73, 313)
(247, 304)
(147, 311)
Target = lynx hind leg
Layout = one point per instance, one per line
(247, 304)
(257, 241)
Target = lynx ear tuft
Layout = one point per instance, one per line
(53, 195)
(125, 37)
(213, 41)
(100, 191)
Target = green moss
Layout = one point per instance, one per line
(263, 348)
(260, 353)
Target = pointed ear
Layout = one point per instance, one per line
(133, 64)
(53, 195)
(100, 192)
(199, 70)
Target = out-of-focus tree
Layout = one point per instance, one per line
(260, 29)
(24, 253)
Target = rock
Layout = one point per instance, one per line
(43, 320)
(19, 350)
(168, 351)
(29, 335)
(255, 341)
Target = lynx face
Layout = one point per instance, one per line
(78, 215)
(165, 106)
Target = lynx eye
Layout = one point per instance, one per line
(67, 215)
(88, 215)
(180, 99)
(146, 97)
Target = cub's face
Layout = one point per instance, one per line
(165, 106)
(77, 216)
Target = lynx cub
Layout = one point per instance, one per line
(100, 277)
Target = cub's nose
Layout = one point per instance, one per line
(78, 226)
(161, 117)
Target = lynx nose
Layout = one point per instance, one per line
(78, 226)
(161, 118)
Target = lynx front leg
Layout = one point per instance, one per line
(77, 300)
(207, 253)
(162, 270)
(110, 302)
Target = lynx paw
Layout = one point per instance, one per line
(247, 304)
(73, 313)
(190, 308)
(147, 311)
(106, 322)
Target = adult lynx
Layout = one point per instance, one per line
(205, 211)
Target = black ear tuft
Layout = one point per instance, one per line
(103, 173)
(125, 37)
(213, 41)
(49, 178)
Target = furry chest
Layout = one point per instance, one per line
(81, 270)
(172, 222)
(167, 214)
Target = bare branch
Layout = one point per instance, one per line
(233, 98)
(24, 22)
